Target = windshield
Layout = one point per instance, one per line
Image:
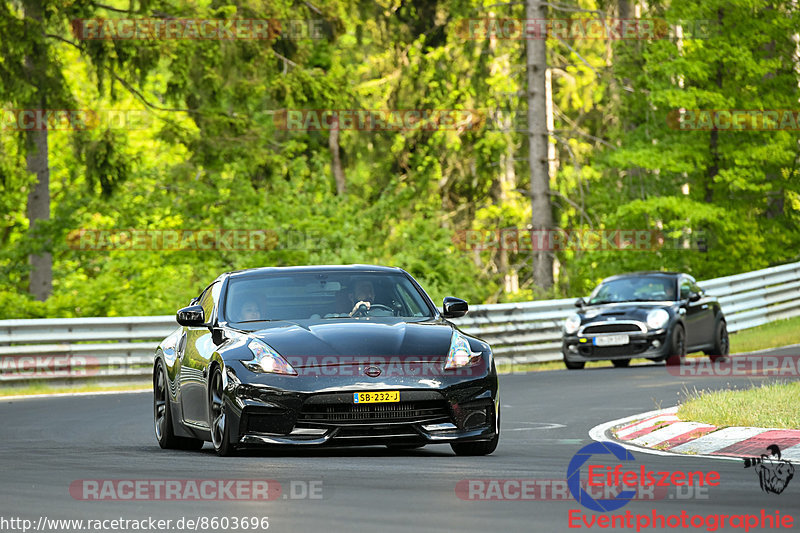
(323, 295)
(635, 289)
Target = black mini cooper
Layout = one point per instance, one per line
(656, 315)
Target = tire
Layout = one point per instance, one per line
(722, 346)
(576, 365)
(218, 423)
(677, 347)
(162, 416)
(621, 363)
(480, 447)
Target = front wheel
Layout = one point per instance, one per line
(722, 346)
(220, 435)
(677, 347)
(480, 447)
(574, 365)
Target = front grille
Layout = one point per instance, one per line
(612, 328)
(400, 412)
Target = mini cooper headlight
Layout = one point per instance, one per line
(572, 323)
(460, 354)
(266, 359)
(657, 319)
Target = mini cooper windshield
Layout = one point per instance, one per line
(634, 289)
(324, 295)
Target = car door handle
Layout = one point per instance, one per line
(705, 306)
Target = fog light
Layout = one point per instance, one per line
(573, 348)
(656, 343)
(439, 427)
(308, 431)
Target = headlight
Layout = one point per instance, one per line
(460, 354)
(657, 319)
(265, 359)
(572, 323)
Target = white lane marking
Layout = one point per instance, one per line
(717, 440)
(670, 432)
(542, 425)
(68, 394)
(601, 432)
(666, 417)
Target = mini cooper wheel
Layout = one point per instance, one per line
(677, 347)
(220, 434)
(162, 417)
(722, 345)
(574, 365)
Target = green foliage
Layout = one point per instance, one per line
(213, 154)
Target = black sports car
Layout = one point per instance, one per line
(324, 355)
(657, 315)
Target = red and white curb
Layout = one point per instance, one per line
(661, 433)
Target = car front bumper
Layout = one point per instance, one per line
(273, 410)
(653, 344)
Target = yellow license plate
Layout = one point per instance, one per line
(376, 397)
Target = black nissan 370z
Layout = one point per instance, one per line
(656, 315)
(324, 355)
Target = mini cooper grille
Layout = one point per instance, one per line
(404, 412)
(612, 328)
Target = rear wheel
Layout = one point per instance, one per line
(621, 363)
(220, 435)
(722, 346)
(677, 346)
(162, 416)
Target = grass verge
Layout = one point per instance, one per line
(772, 405)
(772, 335)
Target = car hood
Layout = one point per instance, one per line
(621, 311)
(356, 338)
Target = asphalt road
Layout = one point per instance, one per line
(47, 444)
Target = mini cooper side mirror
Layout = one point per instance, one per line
(694, 296)
(579, 302)
(192, 316)
(454, 307)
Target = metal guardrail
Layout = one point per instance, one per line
(104, 348)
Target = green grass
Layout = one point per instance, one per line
(43, 387)
(772, 405)
(772, 335)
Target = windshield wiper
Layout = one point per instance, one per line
(254, 320)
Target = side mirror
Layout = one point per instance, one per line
(694, 296)
(454, 307)
(192, 316)
(579, 302)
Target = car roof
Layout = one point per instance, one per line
(646, 273)
(353, 269)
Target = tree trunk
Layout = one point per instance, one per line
(40, 281)
(336, 161)
(538, 139)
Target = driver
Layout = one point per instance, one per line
(364, 294)
(249, 310)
